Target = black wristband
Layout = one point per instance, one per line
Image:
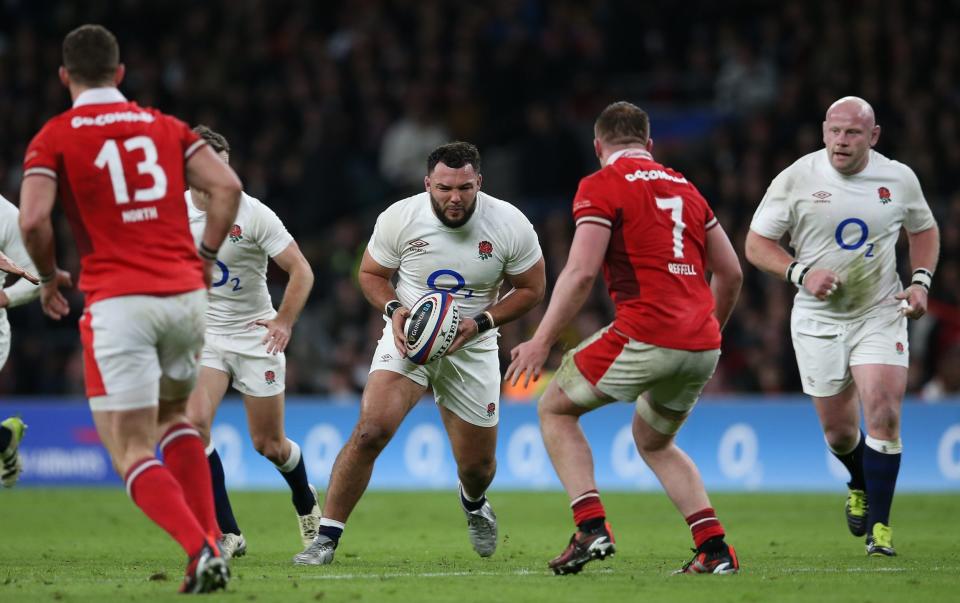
(803, 274)
(391, 306)
(922, 277)
(46, 278)
(206, 252)
(484, 322)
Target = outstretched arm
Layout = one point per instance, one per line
(767, 255)
(573, 286)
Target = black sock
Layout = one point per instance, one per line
(331, 532)
(592, 525)
(225, 518)
(880, 470)
(6, 436)
(470, 505)
(296, 478)
(853, 461)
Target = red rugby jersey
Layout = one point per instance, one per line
(655, 262)
(120, 173)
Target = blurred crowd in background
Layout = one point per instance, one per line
(332, 107)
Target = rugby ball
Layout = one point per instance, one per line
(431, 327)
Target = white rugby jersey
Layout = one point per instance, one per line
(470, 261)
(239, 295)
(22, 291)
(848, 224)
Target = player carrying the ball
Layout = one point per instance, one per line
(453, 238)
(656, 238)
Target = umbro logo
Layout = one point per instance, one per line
(417, 246)
(821, 197)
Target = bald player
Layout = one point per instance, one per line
(843, 207)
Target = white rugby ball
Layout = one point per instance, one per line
(431, 327)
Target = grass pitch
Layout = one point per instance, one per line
(94, 545)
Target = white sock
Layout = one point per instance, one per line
(885, 446)
(293, 460)
(332, 523)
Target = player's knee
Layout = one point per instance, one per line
(478, 471)
(371, 437)
(841, 437)
(884, 423)
(269, 447)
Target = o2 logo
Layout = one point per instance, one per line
(857, 225)
(459, 282)
(225, 277)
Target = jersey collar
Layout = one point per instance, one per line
(99, 96)
(629, 153)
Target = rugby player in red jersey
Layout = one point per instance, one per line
(656, 238)
(120, 171)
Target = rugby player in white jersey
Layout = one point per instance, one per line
(456, 238)
(843, 208)
(244, 343)
(24, 290)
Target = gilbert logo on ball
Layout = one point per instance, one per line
(431, 327)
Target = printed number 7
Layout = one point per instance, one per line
(675, 205)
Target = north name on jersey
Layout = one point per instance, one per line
(469, 261)
(239, 294)
(120, 173)
(654, 265)
(848, 224)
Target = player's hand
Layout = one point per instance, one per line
(11, 267)
(465, 332)
(53, 302)
(399, 319)
(527, 359)
(278, 334)
(822, 283)
(208, 272)
(915, 297)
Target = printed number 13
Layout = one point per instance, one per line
(675, 205)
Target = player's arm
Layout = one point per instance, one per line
(295, 295)
(37, 196)
(727, 276)
(573, 286)
(767, 255)
(375, 282)
(208, 173)
(528, 289)
(924, 255)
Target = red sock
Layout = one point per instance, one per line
(704, 525)
(184, 455)
(154, 489)
(587, 506)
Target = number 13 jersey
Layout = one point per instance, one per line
(848, 224)
(655, 261)
(120, 173)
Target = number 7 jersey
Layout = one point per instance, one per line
(655, 261)
(120, 174)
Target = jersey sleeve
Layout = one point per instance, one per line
(525, 247)
(22, 291)
(190, 141)
(384, 246)
(591, 204)
(773, 218)
(42, 156)
(918, 216)
(271, 235)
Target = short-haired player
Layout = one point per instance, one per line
(244, 345)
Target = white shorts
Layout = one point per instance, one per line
(138, 349)
(244, 357)
(467, 382)
(826, 351)
(665, 383)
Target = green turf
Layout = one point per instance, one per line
(94, 545)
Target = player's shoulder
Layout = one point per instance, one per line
(886, 167)
(500, 208)
(806, 167)
(407, 208)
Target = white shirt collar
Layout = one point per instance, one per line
(632, 153)
(99, 96)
